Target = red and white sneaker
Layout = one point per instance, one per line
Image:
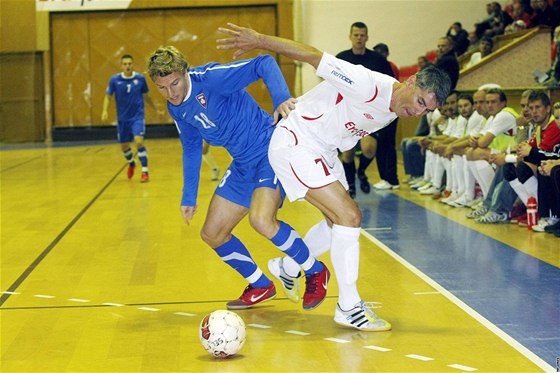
(130, 171)
(252, 296)
(145, 177)
(316, 288)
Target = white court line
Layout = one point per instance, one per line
(427, 292)
(481, 319)
(10, 292)
(148, 309)
(44, 296)
(78, 300)
(296, 332)
(260, 326)
(113, 304)
(462, 367)
(336, 340)
(377, 348)
(419, 357)
(185, 314)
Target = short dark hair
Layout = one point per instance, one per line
(497, 91)
(382, 47)
(466, 96)
(358, 25)
(487, 39)
(435, 80)
(127, 56)
(540, 95)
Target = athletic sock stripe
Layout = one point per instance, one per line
(290, 241)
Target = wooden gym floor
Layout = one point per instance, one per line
(100, 274)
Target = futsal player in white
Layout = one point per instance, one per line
(350, 104)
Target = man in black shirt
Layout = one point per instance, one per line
(360, 55)
(447, 61)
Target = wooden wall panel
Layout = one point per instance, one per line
(21, 97)
(84, 62)
(111, 36)
(71, 70)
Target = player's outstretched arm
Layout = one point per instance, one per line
(245, 39)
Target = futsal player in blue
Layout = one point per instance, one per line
(129, 88)
(210, 102)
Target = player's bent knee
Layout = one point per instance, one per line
(350, 217)
(265, 226)
(213, 239)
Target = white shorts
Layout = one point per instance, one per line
(300, 167)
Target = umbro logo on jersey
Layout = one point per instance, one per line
(368, 116)
(201, 100)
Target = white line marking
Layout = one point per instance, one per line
(377, 348)
(260, 326)
(113, 304)
(296, 332)
(44, 296)
(481, 319)
(185, 314)
(462, 367)
(336, 340)
(148, 309)
(419, 357)
(78, 300)
(427, 292)
(10, 292)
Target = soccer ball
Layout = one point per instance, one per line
(222, 333)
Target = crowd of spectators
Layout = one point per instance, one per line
(481, 154)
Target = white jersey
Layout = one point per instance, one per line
(475, 123)
(351, 103)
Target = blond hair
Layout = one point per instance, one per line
(165, 61)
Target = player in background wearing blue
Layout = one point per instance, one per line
(130, 88)
(210, 102)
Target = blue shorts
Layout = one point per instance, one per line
(127, 130)
(241, 179)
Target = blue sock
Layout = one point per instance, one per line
(143, 157)
(236, 255)
(129, 156)
(290, 242)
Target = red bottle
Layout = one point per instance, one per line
(532, 214)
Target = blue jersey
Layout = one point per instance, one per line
(129, 95)
(218, 109)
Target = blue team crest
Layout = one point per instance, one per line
(201, 100)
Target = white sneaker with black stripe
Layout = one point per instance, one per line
(361, 317)
(290, 284)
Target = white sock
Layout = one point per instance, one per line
(486, 174)
(520, 190)
(438, 172)
(532, 186)
(345, 257)
(469, 179)
(317, 239)
(525, 190)
(446, 163)
(428, 166)
(458, 174)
